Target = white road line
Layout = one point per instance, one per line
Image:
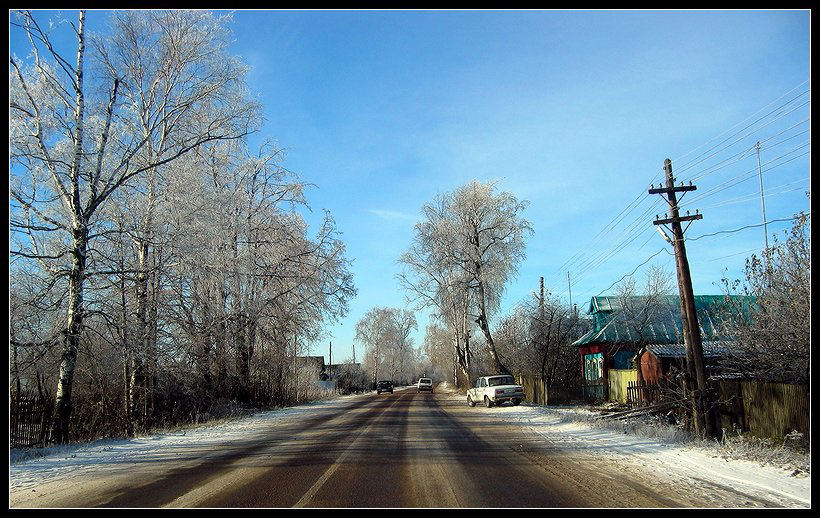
(308, 496)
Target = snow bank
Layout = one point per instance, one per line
(572, 428)
(29, 468)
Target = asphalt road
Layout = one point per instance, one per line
(405, 449)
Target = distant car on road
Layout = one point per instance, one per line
(384, 386)
(425, 384)
(495, 390)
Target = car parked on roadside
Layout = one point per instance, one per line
(425, 384)
(495, 390)
(384, 386)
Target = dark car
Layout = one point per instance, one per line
(384, 386)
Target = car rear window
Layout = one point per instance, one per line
(501, 380)
(425, 381)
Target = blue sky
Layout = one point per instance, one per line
(574, 111)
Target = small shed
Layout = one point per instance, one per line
(659, 361)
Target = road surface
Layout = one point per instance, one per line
(405, 449)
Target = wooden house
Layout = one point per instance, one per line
(622, 327)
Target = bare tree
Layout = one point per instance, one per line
(386, 334)
(78, 138)
(640, 308)
(771, 333)
(536, 339)
(463, 253)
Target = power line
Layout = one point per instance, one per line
(697, 159)
(635, 270)
(741, 122)
(746, 153)
(732, 255)
(747, 175)
(581, 263)
(771, 191)
(746, 227)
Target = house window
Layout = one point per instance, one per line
(593, 366)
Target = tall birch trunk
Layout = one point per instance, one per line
(79, 251)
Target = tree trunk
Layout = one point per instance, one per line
(79, 250)
(71, 337)
(485, 328)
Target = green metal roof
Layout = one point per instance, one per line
(612, 325)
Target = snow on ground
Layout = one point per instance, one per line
(567, 428)
(30, 469)
(573, 429)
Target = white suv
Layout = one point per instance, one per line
(425, 384)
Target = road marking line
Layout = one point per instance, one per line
(308, 496)
(317, 485)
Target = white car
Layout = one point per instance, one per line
(495, 390)
(425, 384)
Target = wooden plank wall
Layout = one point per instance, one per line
(770, 410)
(619, 381)
(535, 390)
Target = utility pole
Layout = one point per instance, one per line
(330, 362)
(704, 414)
(763, 206)
(569, 288)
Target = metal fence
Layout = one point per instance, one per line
(29, 421)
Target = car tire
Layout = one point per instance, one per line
(516, 402)
(378, 392)
(487, 402)
(470, 402)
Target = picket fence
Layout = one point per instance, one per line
(29, 421)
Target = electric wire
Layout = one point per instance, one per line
(581, 263)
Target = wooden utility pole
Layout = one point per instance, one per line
(330, 361)
(704, 414)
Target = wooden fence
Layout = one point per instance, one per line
(770, 410)
(595, 390)
(29, 421)
(644, 394)
(535, 390)
(619, 380)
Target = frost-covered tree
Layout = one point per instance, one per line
(772, 336)
(82, 126)
(385, 332)
(464, 251)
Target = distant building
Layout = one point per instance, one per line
(315, 362)
(324, 371)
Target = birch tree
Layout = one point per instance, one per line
(386, 334)
(471, 239)
(80, 128)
